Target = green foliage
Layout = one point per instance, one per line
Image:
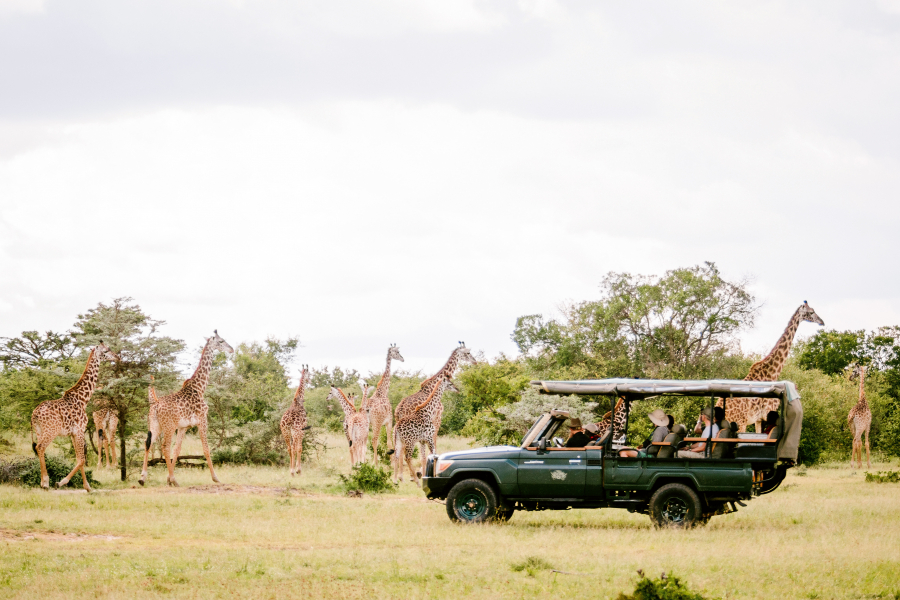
(531, 565)
(831, 351)
(27, 471)
(883, 477)
(21, 390)
(508, 424)
(680, 325)
(368, 478)
(31, 349)
(323, 378)
(664, 588)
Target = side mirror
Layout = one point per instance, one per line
(542, 445)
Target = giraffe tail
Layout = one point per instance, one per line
(33, 444)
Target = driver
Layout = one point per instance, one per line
(577, 437)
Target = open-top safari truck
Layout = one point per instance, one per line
(541, 474)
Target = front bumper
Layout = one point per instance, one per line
(435, 487)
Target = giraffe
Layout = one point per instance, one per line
(380, 413)
(182, 409)
(860, 418)
(621, 417)
(417, 427)
(68, 416)
(410, 403)
(294, 423)
(105, 422)
(744, 411)
(356, 423)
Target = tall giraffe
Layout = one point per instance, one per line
(106, 421)
(860, 418)
(408, 404)
(380, 413)
(417, 427)
(182, 409)
(744, 411)
(294, 423)
(68, 416)
(356, 423)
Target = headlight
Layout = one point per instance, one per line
(441, 465)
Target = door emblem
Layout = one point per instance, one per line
(558, 475)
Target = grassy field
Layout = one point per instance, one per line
(825, 533)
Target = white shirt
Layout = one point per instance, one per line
(715, 431)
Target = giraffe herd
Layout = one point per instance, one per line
(415, 421)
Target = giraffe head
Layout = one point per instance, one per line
(449, 387)
(104, 353)
(394, 353)
(217, 344)
(465, 355)
(857, 371)
(808, 314)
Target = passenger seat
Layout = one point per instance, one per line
(722, 450)
(678, 432)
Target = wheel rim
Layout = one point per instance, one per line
(675, 510)
(471, 505)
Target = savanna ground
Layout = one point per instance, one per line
(825, 533)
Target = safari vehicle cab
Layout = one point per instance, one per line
(541, 474)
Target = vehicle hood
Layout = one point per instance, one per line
(477, 453)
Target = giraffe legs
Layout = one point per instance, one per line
(180, 433)
(868, 458)
(99, 448)
(376, 434)
(40, 448)
(78, 443)
(152, 436)
(202, 429)
(296, 455)
(111, 441)
(170, 464)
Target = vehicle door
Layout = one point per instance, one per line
(552, 473)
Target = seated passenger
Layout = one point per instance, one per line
(775, 432)
(719, 417)
(771, 421)
(593, 432)
(697, 449)
(577, 437)
(661, 420)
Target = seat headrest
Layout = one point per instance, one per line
(679, 429)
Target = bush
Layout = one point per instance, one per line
(261, 443)
(365, 477)
(664, 588)
(883, 477)
(27, 471)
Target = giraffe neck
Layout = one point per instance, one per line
(83, 389)
(348, 407)
(433, 397)
(200, 378)
(775, 359)
(384, 384)
(862, 389)
(301, 390)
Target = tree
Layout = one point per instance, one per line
(32, 349)
(682, 324)
(134, 336)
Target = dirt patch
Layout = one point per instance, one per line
(12, 535)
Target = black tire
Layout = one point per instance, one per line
(472, 501)
(676, 506)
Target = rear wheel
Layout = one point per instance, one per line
(676, 506)
(473, 501)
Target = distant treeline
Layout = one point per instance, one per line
(683, 324)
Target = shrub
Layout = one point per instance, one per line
(883, 477)
(27, 471)
(531, 565)
(261, 443)
(365, 477)
(664, 588)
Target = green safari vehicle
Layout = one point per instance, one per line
(490, 484)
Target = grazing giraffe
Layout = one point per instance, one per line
(182, 409)
(106, 421)
(744, 411)
(417, 427)
(410, 403)
(356, 423)
(860, 419)
(294, 423)
(68, 416)
(380, 413)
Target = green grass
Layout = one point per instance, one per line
(263, 534)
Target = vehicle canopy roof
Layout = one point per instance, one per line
(731, 388)
(639, 389)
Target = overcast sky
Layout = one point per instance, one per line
(425, 171)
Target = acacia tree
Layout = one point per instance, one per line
(681, 324)
(134, 336)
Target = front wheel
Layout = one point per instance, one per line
(473, 501)
(676, 506)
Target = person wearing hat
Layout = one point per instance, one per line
(577, 437)
(709, 430)
(592, 431)
(659, 418)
